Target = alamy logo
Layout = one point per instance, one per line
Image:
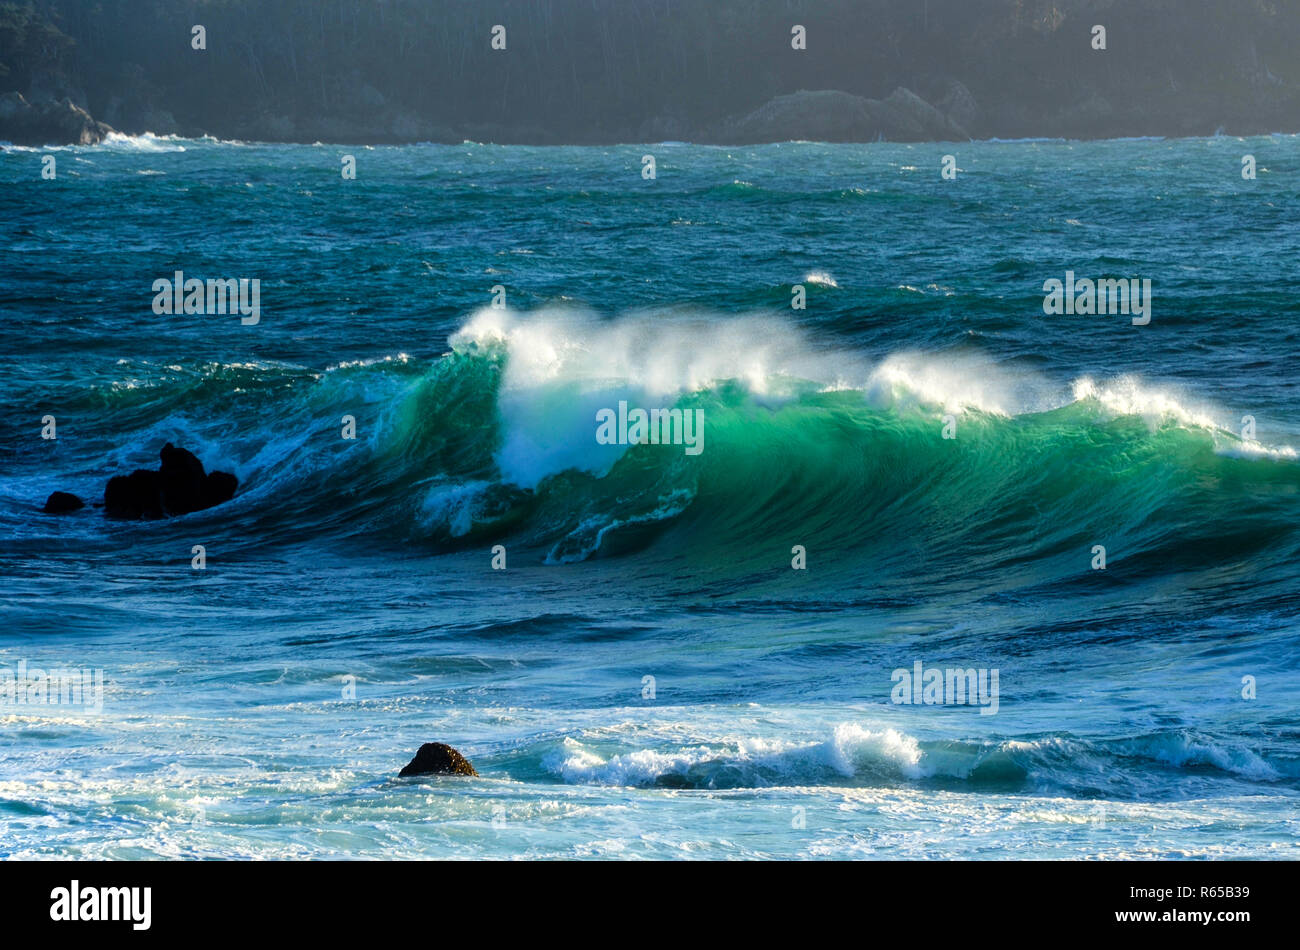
(193, 296)
(62, 687)
(656, 427)
(103, 903)
(954, 687)
(1108, 296)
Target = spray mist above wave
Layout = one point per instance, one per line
(562, 367)
(565, 361)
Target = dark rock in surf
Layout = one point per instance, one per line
(138, 495)
(435, 758)
(218, 487)
(62, 502)
(180, 486)
(48, 122)
(182, 480)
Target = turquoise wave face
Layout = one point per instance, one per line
(921, 465)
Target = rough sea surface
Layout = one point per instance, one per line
(349, 610)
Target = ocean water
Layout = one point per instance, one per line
(650, 676)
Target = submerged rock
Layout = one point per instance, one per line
(62, 502)
(179, 487)
(436, 758)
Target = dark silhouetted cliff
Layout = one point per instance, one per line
(636, 70)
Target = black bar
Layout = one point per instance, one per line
(940, 901)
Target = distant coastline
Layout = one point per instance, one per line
(830, 116)
(346, 72)
(151, 137)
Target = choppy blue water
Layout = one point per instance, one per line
(349, 610)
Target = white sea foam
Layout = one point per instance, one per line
(146, 142)
(1160, 405)
(454, 506)
(852, 750)
(562, 366)
(957, 382)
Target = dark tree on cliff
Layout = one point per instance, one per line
(30, 41)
